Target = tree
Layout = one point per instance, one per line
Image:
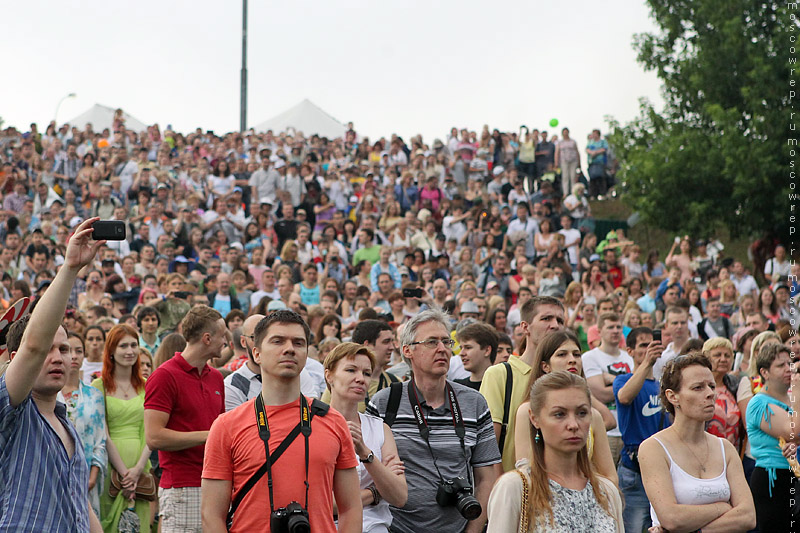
(717, 155)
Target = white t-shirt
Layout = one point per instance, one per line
(530, 227)
(312, 379)
(597, 362)
(572, 238)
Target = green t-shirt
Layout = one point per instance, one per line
(371, 254)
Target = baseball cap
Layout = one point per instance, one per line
(279, 163)
(276, 305)
(498, 170)
(354, 198)
(237, 189)
(267, 200)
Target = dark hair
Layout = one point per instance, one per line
(282, 316)
(503, 338)
(234, 313)
(692, 345)
(145, 312)
(22, 286)
(99, 311)
(634, 334)
(330, 318)
(672, 378)
(483, 334)
(15, 332)
(369, 331)
(547, 347)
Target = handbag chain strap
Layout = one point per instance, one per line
(524, 516)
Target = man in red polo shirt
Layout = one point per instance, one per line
(183, 397)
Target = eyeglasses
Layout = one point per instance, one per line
(432, 344)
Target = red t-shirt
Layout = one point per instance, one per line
(615, 276)
(234, 452)
(193, 401)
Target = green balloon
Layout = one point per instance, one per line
(553, 122)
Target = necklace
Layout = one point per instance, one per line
(702, 463)
(127, 391)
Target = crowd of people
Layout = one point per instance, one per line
(420, 337)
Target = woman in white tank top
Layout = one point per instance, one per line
(348, 371)
(694, 480)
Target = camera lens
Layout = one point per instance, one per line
(298, 523)
(468, 506)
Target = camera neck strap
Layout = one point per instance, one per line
(424, 430)
(304, 427)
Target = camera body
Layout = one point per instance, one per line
(458, 492)
(290, 519)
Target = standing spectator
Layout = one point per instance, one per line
(325, 454)
(676, 325)
(86, 410)
(244, 383)
(714, 324)
(692, 478)
(640, 416)
(433, 445)
(41, 459)
(602, 365)
(727, 422)
(771, 418)
(348, 368)
(183, 398)
(123, 388)
(778, 267)
(545, 155)
(568, 158)
(744, 282)
(539, 315)
(478, 352)
(564, 494)
(597, 149)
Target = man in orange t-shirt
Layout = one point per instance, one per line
(235, 451)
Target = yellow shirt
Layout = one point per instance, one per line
(493, 388)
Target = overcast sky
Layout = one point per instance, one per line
(417, 66)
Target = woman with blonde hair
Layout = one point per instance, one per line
(559, 490)
(728, 299)
(573, 297)
(348, 371)
(557, 351)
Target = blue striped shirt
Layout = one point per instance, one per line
(41, 488)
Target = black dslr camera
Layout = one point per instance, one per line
(290, 519)
(459, 493)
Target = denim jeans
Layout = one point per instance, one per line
(636, 515)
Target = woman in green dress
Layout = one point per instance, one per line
(123, 387)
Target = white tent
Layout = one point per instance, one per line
(307, 118)
(102, 117)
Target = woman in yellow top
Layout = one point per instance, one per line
(560, 350)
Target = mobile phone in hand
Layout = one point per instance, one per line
(109, 230)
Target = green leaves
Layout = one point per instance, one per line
(716, 155)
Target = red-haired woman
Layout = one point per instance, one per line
(122, 386)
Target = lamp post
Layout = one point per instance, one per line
(55, 117)
(243, 96)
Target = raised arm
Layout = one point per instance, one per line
(48, 314)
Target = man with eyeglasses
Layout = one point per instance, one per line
(449, 437)
(245, 382)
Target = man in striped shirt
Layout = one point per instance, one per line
(443, 455)
(44, 477)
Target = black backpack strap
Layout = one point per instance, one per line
(395, 393)
(392, 378)
(506, 406)
(317, 408)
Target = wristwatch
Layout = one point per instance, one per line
(369, 459)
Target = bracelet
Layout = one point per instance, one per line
(376, 497)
